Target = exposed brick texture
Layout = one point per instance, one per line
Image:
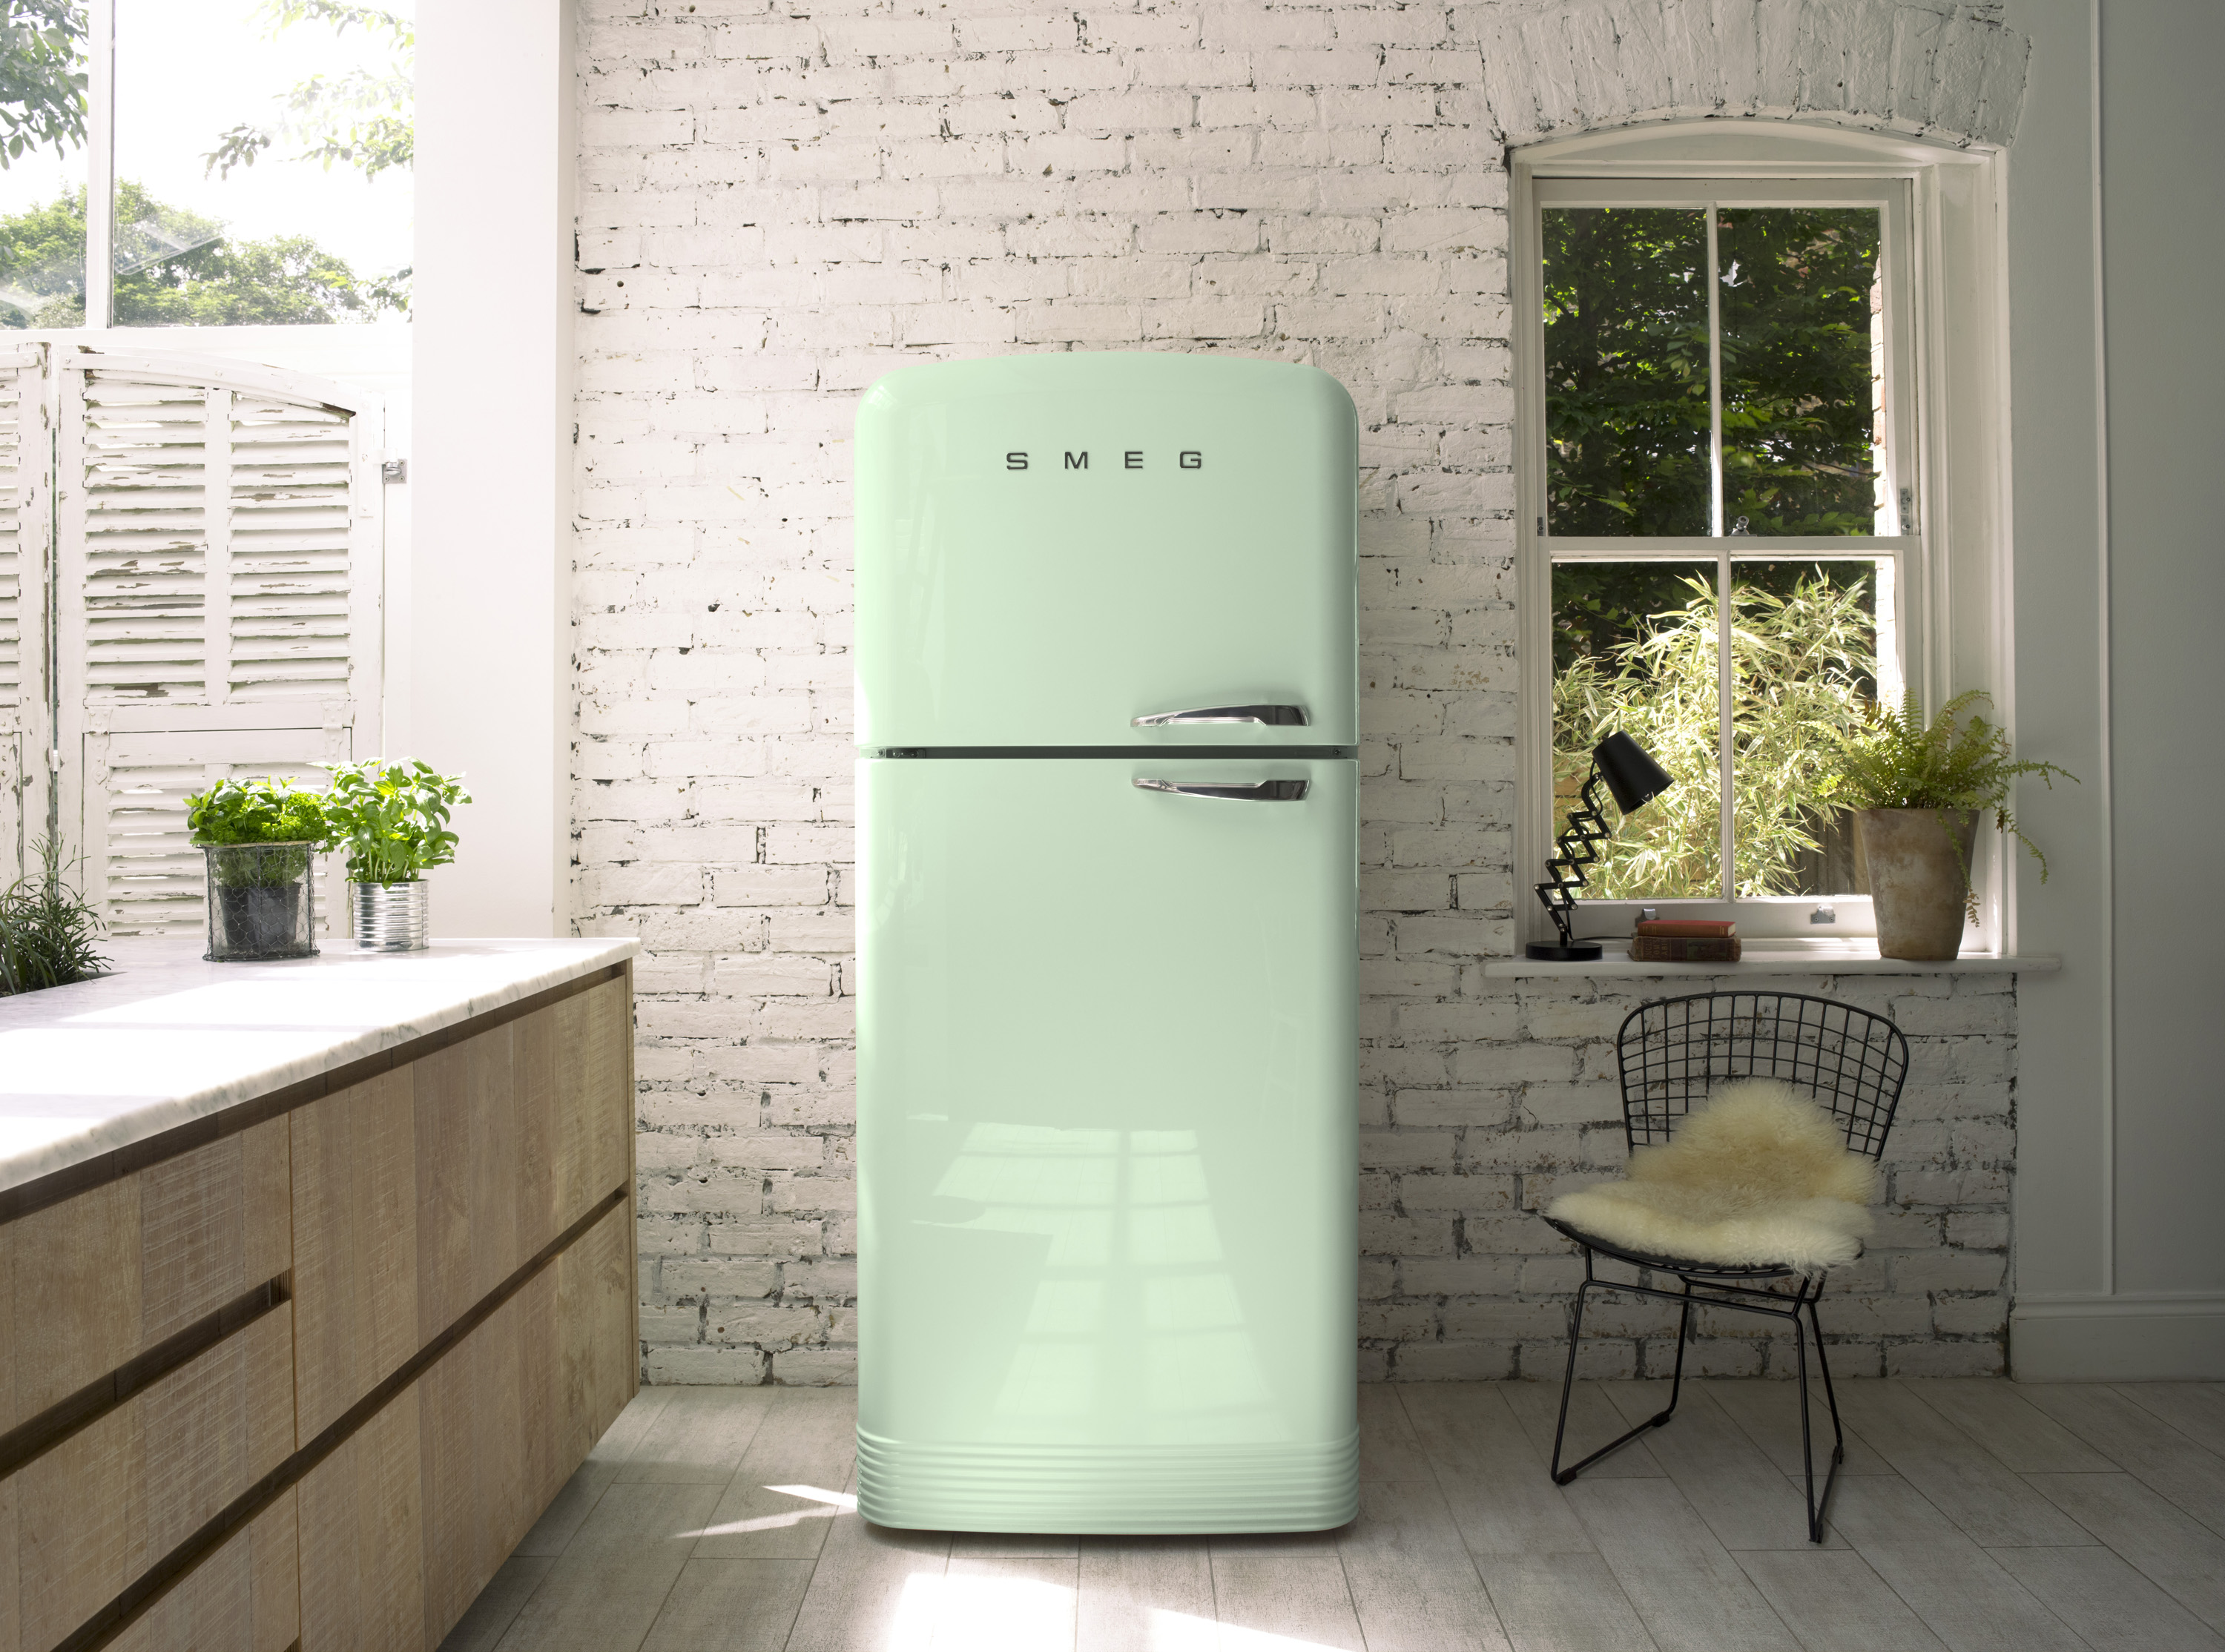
(776, 209)
(1463, 1140)
(1922, 67)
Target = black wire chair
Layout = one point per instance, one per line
(1672, 1053)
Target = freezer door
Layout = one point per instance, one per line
(1076, 550)
(1105, 1142)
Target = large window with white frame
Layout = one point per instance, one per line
(201, 163)
(1725, 521)
(205, 229)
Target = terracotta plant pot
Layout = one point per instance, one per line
(1915, 864)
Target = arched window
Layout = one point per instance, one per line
(1762, 410)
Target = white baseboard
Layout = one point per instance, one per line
(2131, 1338)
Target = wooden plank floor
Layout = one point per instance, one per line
(1970, 1515)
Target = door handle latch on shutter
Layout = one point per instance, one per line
(1257, 791)
(1281, 717)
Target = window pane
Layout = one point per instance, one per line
(1634, 652)
(42, 169)
(1626, 371)
(262, 162)
(1803, 345)
(1805, 657)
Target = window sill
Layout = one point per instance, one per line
(1781, 958)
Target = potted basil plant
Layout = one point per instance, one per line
(392, 821)
(259, 837)
(1917, 790)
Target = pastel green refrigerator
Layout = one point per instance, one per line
(1106, 720)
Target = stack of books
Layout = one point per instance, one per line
(1685, 941)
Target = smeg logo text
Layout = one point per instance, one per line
(1132, 460)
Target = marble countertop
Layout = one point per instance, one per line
(168, 1038)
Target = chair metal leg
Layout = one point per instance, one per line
(1823, 1364)
(1568, 1379)
(1818, 1506)
(1797, 1306)
(1683, 1338)
(1807, 1451)
(1561, 1475)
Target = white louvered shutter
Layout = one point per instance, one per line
(219, 544)
(26, 457)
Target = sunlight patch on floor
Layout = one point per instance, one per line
(828, 1504)
(985, 1611)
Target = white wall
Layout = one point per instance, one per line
(2121, 1257)
(490, 688)
(2163, 206)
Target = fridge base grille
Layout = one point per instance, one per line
(1135, 1489)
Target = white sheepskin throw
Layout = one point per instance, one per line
(1757, 1175)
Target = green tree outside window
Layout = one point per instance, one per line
(178, 267)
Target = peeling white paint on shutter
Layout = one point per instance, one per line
(150, 875)
(291, 483)
(26, 454)
(218, 565)
(144, 525)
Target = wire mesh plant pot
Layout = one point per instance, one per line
(262, 900)
(391, 917)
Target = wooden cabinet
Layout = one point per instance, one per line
(107, 1504)
(311, 1383)
(92, 1283)
(243, 1597)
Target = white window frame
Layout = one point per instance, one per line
(371, 366)
(1946, 396)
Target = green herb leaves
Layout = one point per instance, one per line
(391, 817)
(269, 810)
(47, 930)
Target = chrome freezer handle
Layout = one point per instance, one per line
(1281, 717)
(1256, 791)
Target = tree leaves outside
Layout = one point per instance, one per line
(364, 118)
(43, 76)
(175, 267)
(1629, 434)
(1626, 353)
(1805, 665)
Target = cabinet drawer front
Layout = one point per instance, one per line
(417, 1193)
(591, 1035)
(355, 1243)
(242, 1598)
(520, 1132)
(90, 1283)
(362, 1539)
(98, 1510)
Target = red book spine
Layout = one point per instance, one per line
(1714, 928)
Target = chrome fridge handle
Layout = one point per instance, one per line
(1281, 717)
(1257, 791)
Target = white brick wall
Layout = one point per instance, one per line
(1476, 1112)
(775, 210)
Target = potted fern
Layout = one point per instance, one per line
(1917, 790)
(259, 837)
(391, 821)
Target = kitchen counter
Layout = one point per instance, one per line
(168, 1039)
(316, 1283)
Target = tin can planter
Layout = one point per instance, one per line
(262, 902)
(391, 917)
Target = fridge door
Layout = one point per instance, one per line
(1052, 547)
(1106, 1137)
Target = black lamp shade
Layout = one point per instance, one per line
(1633, 777)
